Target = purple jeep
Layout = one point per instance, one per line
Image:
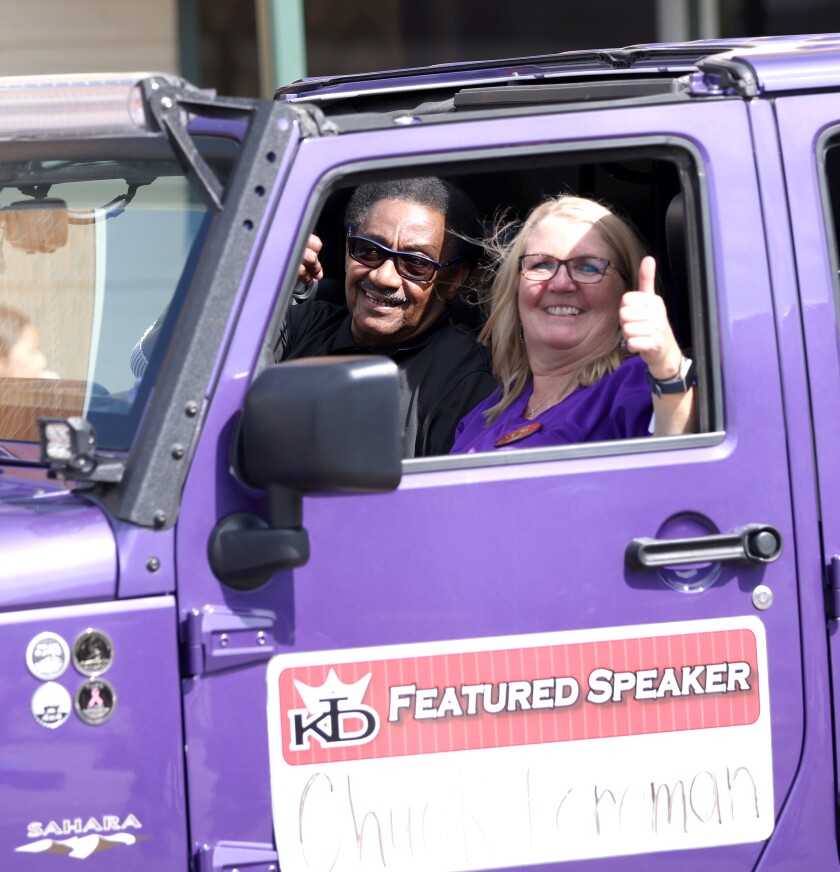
(239, 632)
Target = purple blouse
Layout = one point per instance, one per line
(619, 406)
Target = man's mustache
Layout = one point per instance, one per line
(390, 296)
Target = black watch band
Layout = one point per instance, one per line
(679, 384)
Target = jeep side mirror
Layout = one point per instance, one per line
(310, 426)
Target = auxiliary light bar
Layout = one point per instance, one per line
(97, 104)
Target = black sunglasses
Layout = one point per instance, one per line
(414, 267)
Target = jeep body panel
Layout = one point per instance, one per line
(514, 529)
(56, 546)
(211, 738)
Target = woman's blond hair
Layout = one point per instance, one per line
(503, 328)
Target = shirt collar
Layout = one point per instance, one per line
(344, 340)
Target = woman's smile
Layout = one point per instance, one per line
(562, 310)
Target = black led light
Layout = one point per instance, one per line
(67, 444)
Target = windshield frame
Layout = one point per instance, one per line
(156, 463)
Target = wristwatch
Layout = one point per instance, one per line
(679, 384)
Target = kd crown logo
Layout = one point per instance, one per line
(334, 714)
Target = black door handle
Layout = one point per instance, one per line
(754, 543)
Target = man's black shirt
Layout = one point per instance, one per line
(445, 371)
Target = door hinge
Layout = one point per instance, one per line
(832, 592)
(217, 637)
(229, 856)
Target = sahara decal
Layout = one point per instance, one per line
(522, 750)
(80, 838)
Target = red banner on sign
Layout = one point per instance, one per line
(518, 696)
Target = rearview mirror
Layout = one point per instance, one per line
(35, 225)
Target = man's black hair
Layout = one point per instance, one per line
(458, 210)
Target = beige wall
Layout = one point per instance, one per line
(71, 36)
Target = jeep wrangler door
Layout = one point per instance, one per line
(551, 656)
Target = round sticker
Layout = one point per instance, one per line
(95, 701)
(51, 705)
(47, 656)
(93, 652)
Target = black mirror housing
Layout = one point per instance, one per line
(324, 425)
(313, 426)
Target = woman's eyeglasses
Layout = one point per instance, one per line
(586, 270)
(414, 267)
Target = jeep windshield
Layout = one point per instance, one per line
(92, 252)
(108, 187)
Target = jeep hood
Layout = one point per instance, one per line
(56, 547)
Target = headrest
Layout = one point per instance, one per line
(675, 240)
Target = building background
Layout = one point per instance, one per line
(248, 47)
(56, 36)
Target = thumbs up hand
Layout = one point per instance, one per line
(645, 325)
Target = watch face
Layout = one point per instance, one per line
(679, 384)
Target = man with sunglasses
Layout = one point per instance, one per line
(405, 261)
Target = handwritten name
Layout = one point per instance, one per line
(512, 818)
